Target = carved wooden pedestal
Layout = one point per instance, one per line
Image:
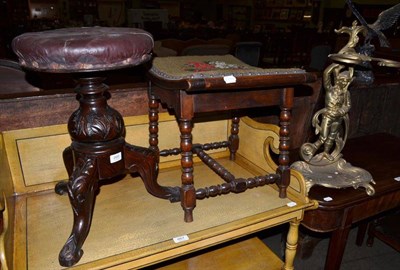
(98, 151)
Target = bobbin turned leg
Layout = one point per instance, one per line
(154, 104)
(151, 184)
(284, 141)
(188, 193)
(234, 138)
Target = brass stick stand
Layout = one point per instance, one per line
(322, 160)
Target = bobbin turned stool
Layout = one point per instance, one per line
(98, 150)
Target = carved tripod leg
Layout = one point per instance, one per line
(188, 193)
(284, 141)
(61, 187)
(234, 138)
(145, 162)
(81, 192)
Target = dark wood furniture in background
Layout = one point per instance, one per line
(375, 108)
(14, 80)
(386, 229)
(378, 154)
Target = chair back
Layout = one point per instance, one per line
(249, 52)
(319, 56)
(13, 79)
(206, 49)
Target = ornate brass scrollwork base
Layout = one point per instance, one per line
(337, 174)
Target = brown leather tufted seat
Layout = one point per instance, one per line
(83, 49)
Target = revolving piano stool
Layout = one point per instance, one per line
(98, 150)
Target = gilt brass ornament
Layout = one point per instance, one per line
(323, 163)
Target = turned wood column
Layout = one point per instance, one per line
(234, 138)
(188, 193)
(153, 121)
(284, 140)
(291, 244)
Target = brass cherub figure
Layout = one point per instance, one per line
(327, 167)
(333, 127)
(336, 78)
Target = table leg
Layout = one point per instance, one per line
(362, 229)
(307, 244)
(337, 245)
(153, 123)
(148, 175)
(81, 192)
(188, 193)
(4, 225)
(291, 244)
(284, 140)
(234, 138)
(145, 162)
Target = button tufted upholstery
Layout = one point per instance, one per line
(83, 49)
